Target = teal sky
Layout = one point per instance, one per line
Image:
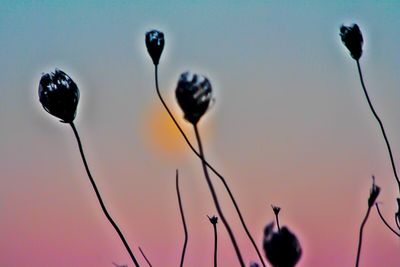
(290, 127)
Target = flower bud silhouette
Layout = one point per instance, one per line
(213, 219)
(352, 39)
(374, 193)
(59, 95)
(155, 45)
(193, 93)
(281, 248)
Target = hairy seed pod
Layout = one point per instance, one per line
(282, 248)
(193, 93)
(59, 95)
(352, 39)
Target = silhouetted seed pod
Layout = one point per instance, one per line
(193, 93)
(254, 264)
(352, 39)
(281, 248)
(374, 193)
(59, 95)
(213, 219)
(155, 45)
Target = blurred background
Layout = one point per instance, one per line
(290, 127)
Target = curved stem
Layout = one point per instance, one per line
(103, 207)
(361, 235)
(211, 168)
(380, 124)
(384, 221)
(396, 218)
(183, 219)
(215, 198)
(144, 256)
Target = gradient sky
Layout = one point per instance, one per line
(290, 127)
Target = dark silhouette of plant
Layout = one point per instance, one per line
(282, 248)
(59, 96)
(193, 93)
(276, 211)
(214, 221)
(144, 256)
(373, 195)
(155, 49)
(155, 45)
(117, 265)
(183, 218)
(384, 221)
(397, 215)
(352, 38)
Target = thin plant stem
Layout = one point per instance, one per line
(277, 222)
(210, 167)
(384, 221)
(214, 224)
(215, 198)
(380, 124)
(183, 219)
(144, 256)
(360, 237)
(103, 207)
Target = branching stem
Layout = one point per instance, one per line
(210, 167)
(215, 198)
(384, 221)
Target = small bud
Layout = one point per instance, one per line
(276, 210)
(373, 195)
(213, 219)
(282, 248)
(193, 93)
(59, 95)
(352, 39)
(398, 210)
(155, 45)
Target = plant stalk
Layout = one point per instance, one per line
(211, 168)
(103, 207)
(380, 124)
(215, 199)
(360, 237)
(183, 219)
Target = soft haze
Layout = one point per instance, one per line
(290, 127)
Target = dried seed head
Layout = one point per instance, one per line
(276, 210)
(59, 95)
(352, 39)
(155, 45)
(193, 93)
(282, 248)
(373, 195)
(213, 219)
